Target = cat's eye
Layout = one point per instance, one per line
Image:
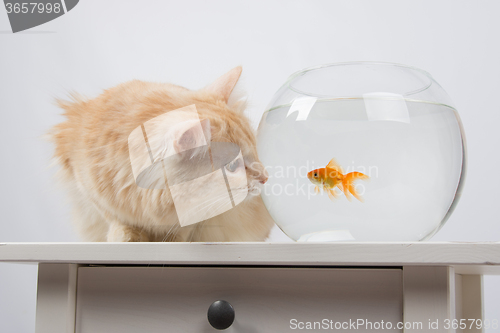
(231, 167)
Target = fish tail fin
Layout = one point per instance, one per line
(348, 184)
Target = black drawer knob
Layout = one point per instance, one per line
(220, 315)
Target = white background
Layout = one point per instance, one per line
(102, 43)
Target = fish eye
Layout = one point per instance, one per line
(231, 167)
(315, 174)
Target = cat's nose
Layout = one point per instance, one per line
(263, 179)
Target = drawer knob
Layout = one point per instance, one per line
(220, 315)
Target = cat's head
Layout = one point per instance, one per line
(228, 123)
(182, 137)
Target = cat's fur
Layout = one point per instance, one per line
(92, 150)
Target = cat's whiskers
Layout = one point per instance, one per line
(169, 232)
(221, 198)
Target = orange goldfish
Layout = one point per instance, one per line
(333, 175)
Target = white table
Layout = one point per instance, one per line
(273, 287)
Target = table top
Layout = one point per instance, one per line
(465, 257)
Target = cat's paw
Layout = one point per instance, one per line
(123, 233)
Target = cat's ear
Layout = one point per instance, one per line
(224, 85)
(196, 135)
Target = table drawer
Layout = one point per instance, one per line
(176, 299)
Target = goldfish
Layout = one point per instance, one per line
(333, 176)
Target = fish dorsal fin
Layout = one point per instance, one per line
(333, 165)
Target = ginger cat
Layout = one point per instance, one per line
(108, 205)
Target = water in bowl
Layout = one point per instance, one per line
(412, 151)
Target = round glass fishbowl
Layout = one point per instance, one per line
(361, 151)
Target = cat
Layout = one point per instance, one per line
(98, 166)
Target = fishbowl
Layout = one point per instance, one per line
(361, 151)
